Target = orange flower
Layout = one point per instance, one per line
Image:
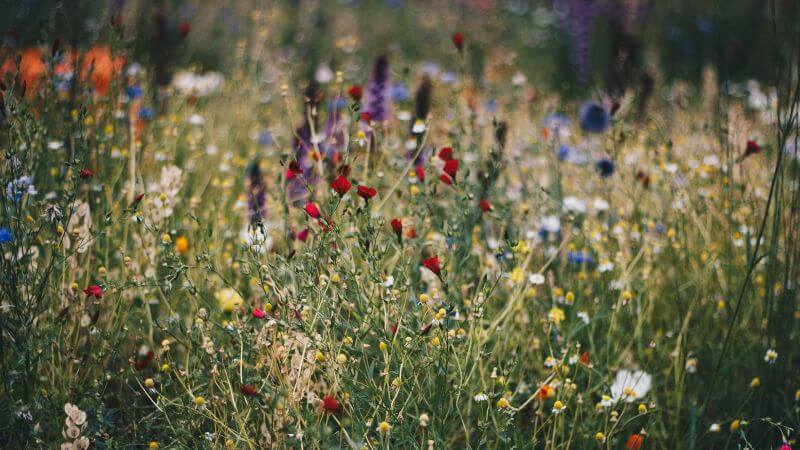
(100, 67)
(31, 69)
(634, 442)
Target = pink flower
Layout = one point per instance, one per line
(259, 313)
(312, 210)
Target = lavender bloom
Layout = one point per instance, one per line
(256, 194)
(377, 101)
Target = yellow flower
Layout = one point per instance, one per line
(600, 437)
(181, 245)
(166, 238)
(229, 299)
(755, 383)
(153, 445)
(642, 408)
(199, 401)
(149, 383)
(502, 403)
(383, 428)
(382, 346)
(735, 425)
(555, 315)
(517, 275)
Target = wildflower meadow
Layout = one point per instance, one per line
(390, 224)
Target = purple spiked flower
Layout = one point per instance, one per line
(256, 194)
(377, 99)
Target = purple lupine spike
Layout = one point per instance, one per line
(256, 194)
(377, 99)
(581, 20)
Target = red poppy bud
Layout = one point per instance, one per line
(330, 405)
(397, 226)
(293, 170)
(366, 117)
(411, 233)
(584, 358)
(86, 174)
(420, 172)
(248, 390)
(445, 178)
(458, 41)
(446, 153)
(432, 264)
(752, 148)
(312, 210)
(485, 205)
(184, 29)
(366, 192)
(355, 92)
(340, 185)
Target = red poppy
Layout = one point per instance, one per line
(458, 41)
(485, 205)
(366, 117)
(585, 358)
(451, 167)
(184, 29)
(445, 178)
(634, 442)
(302, 235)
(545, 391)
(355, 92)
(340, 185)
(432, 264)
(312, 210)
(411, 233)
(94, 291)
(330, 405)
(366, 192)
(259, 313)
(86, 174)
(446, 153)
(248, 390)
(397, 226)
(293, 170)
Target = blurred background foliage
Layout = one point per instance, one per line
(568, 45)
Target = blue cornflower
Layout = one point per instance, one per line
(605, 167)
(19, 187)
(133, 92)
(6, 236)
(400, 92)
(146, 113)
(579, 258)
(594, 118)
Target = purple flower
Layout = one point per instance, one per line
(377, 100)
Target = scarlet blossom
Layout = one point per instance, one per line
(584, 358)
(485, 205)
(248, 390)
(545, 391)
(366, 117)
(85, 174)
(432, 264)
(446, 179)
(752, 148)
(458, 41)
(446, 153)
(397, 226)
(340, 185)
(259, 313)
(302, 235)
(94, 291)
(366, 192)
(634, 441)
(451, 167)
(184, 29)
(355, 92)
(330, 405)
(312, 210)
(411, 233)
(420, 172)
(293, 170)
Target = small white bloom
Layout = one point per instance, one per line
(536, 279)
(630, 386)
(771, 356)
